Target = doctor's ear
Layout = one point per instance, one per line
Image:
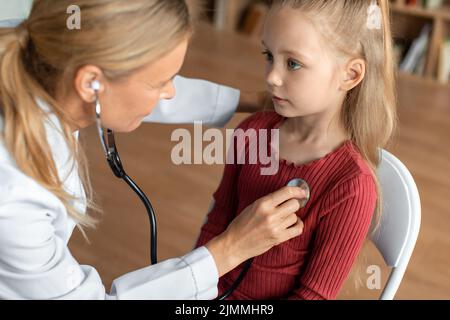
(353, 73)
(86, 79)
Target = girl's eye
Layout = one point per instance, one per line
(293, 65)
(269, 56)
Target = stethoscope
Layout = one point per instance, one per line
(113, 159)
(112, 156)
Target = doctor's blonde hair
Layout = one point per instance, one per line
(41, 56)
(369, 111)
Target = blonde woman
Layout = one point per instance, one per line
(330, 73)
(133, 49)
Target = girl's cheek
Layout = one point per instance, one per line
(298, 86)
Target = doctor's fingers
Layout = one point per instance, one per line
(278, 198)
(294, 231)
(287, 208)
(290, 221)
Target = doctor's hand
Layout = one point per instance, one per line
(264, 224)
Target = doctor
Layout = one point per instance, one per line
(134, 49)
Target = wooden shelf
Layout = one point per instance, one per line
(407, 23)
(443, 13)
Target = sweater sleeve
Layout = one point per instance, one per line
(226, 197)
(224, 206)
(345, 220)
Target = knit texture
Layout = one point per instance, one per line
(336, 220)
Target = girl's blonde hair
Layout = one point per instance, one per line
(369, 112)
(40, 57)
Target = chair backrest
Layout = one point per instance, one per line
(399, 227)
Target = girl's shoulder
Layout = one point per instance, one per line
(261, 120)
(356, 160)
(344, 167)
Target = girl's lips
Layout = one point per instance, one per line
(277, 99)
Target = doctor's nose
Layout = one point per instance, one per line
(273, 78)
(168, 92)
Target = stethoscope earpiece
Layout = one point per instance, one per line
(95, 85)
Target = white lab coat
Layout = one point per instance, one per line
(14, 10)
(35, 262)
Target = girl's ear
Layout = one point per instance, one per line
(353, 74)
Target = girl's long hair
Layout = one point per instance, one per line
(369, 112)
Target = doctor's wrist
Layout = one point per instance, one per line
(225, 257)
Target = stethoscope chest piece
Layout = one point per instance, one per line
(302, 185)
(293, 183)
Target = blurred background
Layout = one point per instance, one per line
(226, 49)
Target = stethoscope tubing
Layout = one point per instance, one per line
(113, 159)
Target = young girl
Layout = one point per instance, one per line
(331, 76)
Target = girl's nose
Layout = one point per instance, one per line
(168, 92)
(273, 78)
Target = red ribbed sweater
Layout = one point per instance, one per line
(336, 221)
